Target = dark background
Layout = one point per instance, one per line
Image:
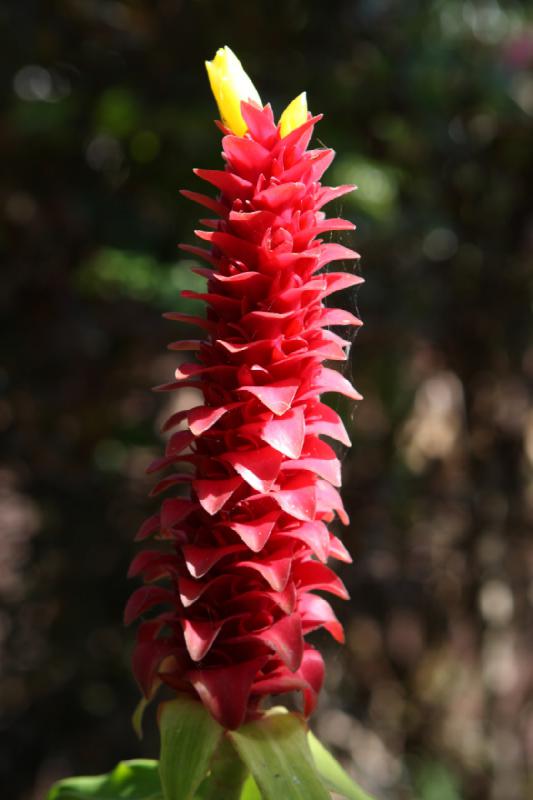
(106, 108)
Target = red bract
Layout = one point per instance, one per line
(247, 548)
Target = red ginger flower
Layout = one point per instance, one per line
(249, 545)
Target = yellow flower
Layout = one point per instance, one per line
(294, 115)
(230, 84)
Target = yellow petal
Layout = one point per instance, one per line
(230, 85)
(294, 115)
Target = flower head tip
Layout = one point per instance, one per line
(230, 85)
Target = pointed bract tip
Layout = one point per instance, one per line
(294, 115)
(231, 85)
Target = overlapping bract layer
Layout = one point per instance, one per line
(247, 547)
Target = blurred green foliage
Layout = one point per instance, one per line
(111, 273)
(105, 111)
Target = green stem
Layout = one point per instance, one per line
(227, 774)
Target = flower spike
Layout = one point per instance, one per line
(242, 539)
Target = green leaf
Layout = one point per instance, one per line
(333, 775)
(137, 716)
(250, 790)
(275, 750)
(189, 737)
(130, 780)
